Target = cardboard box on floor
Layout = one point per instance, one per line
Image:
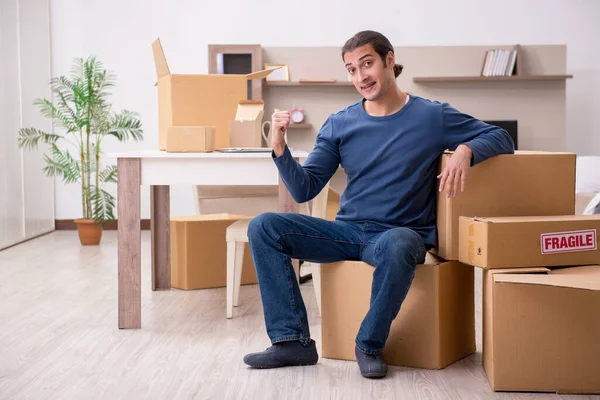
(198, 100)
(522, 184)
(434, 328)
(505, 242)
(541, 329)
(191, 139)
(245, 131)
(199, 252)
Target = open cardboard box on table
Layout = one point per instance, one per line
(198, 100)
(527, 183)
(245, 130)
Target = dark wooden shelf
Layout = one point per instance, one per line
(299, 126)
(308, 84)
(520, 78)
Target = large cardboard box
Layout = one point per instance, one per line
(333, 204)
(199, 252)
(199, 139)
(245, 131)
(244, 200)
(198, 100)
(526, 183)
(503, 242)
(434, 328)
(541, 329)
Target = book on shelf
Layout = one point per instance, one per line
(499, 62)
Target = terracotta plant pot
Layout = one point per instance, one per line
(90, 233)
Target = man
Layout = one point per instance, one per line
(389, 144)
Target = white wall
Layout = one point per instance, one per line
(120, 32)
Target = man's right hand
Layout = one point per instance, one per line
(280, 121)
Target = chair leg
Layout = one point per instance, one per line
(230, 277)
(239, 263)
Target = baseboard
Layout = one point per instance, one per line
(70, 225)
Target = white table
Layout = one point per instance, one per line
(159, 169)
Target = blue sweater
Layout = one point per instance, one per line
(391, 162)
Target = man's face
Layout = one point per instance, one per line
(369, 76)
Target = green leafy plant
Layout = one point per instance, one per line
(83, 117)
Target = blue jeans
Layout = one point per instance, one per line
(276, 238)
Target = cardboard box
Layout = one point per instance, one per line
(434, 328)
(245, 131)
(244, 200)
(199, 252)
(504, 242)
(190, 139)
(198, 100)
(526, 183)
(541, 329)
(333, 204)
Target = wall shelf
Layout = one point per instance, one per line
(519, 78)
(299, 126)
(307, 84)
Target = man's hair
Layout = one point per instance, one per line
(380, 43)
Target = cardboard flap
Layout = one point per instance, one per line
(432, 259)
(250, 110)
(593, 271)
(515, 271)
(589, 279)
(542, 153)
(260, 74)
(475, 219)
(540, 218)
(160, 61)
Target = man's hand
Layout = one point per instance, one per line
(455, 172)
(280, 120)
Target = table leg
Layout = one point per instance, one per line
(287, 204)
(129, 243)
(160, 228)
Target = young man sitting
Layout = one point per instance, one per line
(389, 144)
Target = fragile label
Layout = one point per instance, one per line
(565, 242)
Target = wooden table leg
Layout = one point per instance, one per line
(160, 228)
(287, 204)
(129, 242)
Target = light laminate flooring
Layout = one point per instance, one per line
(59, 339)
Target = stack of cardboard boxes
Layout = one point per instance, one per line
(541, 300)
(201, 113)
(541, 282)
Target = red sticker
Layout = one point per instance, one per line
(566, 242)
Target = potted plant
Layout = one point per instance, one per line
(83, 118)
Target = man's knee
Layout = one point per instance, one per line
(401, 245)
(261, 224)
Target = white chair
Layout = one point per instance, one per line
(237, 236)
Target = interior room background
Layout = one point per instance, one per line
(40, 37)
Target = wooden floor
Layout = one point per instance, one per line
(59, 340)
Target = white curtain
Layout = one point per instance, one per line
(26, 195)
